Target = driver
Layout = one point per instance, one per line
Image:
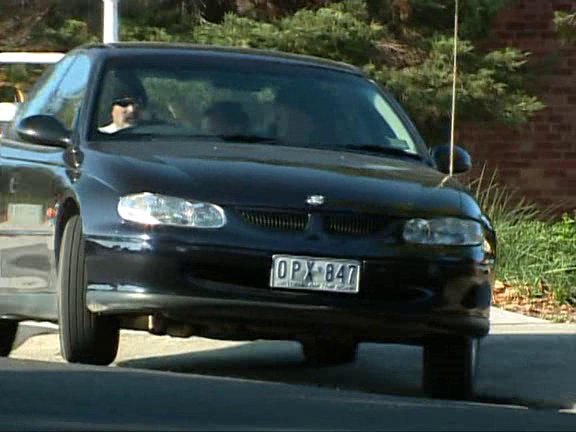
(125, 113)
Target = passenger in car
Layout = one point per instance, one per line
(293, 124)
(226, 118)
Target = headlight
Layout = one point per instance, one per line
(444, 231)
(152, 209)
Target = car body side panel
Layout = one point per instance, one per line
(32, 185)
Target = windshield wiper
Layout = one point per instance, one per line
(239, 138)
(383, 149)
(250, 139)
(128, 136)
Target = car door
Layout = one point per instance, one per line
(33, 178)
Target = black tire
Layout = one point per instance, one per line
(8, 330)
(84, 336)
(449, 367)
(329, 353)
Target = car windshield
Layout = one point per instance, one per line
(261, 102)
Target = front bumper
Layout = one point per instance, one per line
(400, 297)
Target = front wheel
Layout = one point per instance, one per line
(8, 330)
(449, 367)
(84, 336)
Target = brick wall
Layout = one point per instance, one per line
(540, 157)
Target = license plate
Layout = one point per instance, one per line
(317, 274)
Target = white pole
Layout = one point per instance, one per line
(454, 89)
(111, 22)
(30, 57)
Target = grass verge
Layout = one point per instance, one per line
(536, 254)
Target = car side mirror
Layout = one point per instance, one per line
(462, 159)
(43, 130)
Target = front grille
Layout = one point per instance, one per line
(276, 221)
(335, 223)
(353, 224)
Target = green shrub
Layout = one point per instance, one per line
(488, 86)
(502, 205)
(535, 254)
(68, 35)
(538, 256)
(134, 32)
(566, 25)
(236, 31)
(330, 33)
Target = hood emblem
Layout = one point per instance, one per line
(315, 200)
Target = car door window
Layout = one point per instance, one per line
(43, 92)
(69, 95)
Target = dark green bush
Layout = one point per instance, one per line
(535, 253)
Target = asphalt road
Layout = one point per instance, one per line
(51, 396)
(524, 364)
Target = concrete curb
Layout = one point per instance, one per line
(500, 316)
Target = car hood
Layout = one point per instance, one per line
(276, 177)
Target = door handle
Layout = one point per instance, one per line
(12, 185)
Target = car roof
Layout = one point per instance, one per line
(140, 48)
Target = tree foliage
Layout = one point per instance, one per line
(488, 86)
(418, 70)
(326, 32)
(566, 24)
(406, 45)
(69, 34)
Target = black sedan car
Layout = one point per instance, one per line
(237, 194)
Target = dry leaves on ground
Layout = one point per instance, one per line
(512, 298)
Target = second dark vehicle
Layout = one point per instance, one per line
(243, 195)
